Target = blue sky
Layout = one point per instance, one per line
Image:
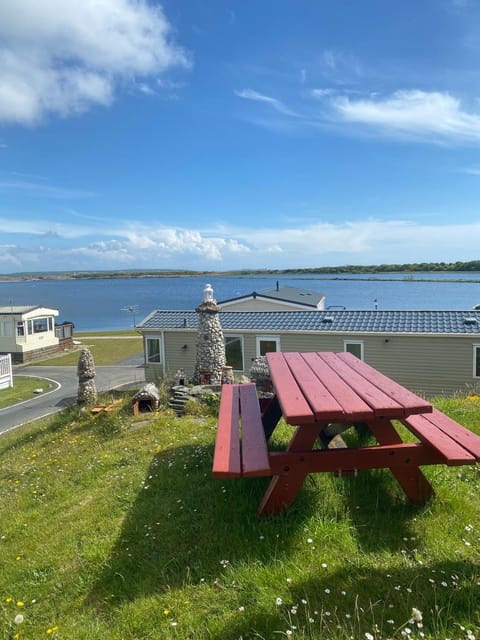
(212, 134)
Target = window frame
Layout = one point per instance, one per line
(355, 342)
(476, 360)
(266, 338)
(148, 356)
(239, 337)
(43, 324)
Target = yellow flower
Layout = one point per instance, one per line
(52, 630)
(166, 612)
(18, 558)
(20, 603)
(8, 599)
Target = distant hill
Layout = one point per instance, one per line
(413, 267)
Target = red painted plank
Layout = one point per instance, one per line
(254, 446)
(463, 436)
(226, 457)
(321, 401)
(354, 408)
(409, 400)
(428, 431)
(295, 408)
(380, 402)
(286, 463)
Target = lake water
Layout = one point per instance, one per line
(103, 303)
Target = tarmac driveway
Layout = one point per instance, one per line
(65, 389)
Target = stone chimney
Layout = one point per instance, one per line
(210, 344)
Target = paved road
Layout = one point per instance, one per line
(65, 381)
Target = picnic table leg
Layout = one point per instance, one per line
(410, 477)
(283, 489)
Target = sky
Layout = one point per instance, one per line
(248, 134)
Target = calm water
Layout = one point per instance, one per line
(100, 304)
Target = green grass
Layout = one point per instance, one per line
(23, 389)
(107, 348)
(113, 528)
(129, 333)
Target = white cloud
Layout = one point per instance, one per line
(250, 94)
(308, 245)
(322, 93)
(430, 116)
(63, 56)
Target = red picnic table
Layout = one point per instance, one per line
(314, 390)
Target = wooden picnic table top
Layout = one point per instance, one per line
(337, 387)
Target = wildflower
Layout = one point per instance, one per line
(327, 590)
(278, 602)
(174, 624)
(8, 599)
(309, 540)
(20, 603)
(369, 636)
(18, 618)
(166, 612)
(241, 608)
(416, 615)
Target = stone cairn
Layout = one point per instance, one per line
(87, 391)
(260, 374)
(210, 360)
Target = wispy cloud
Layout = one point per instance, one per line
(61, 57)
(40, 189)
(408, 115)
(45, 228)
(472, 171)
(278, 105)
(429, 116)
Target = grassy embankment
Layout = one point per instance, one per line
(113, 528)
(23, 389)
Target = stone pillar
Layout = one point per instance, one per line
(87, 391)
(210, 345)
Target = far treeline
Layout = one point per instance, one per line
(411, 267)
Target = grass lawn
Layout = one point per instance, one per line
(107, 347)
(23, 389)
(112, 528)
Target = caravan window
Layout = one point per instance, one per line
(355, 347)
(234, 352)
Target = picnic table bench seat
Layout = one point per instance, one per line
(456, 444)
(240, 445)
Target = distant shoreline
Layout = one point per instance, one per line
(414, 272)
